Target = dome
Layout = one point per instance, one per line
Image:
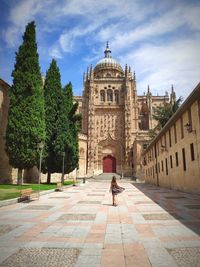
(108, 62)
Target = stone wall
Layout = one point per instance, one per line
(173, 158)
(5, 168)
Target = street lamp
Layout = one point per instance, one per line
(40, 147)
(122, 175)
(63, 167)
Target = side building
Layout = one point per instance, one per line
(172, 159)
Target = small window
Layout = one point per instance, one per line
(162, 165)
(175, 134)
(192, 151)
(117, 97)
(166, 164)
(170, 140)
(109, 95)
(184, 160)
(171, 163)
(182, 129)
(176, 155)
(102, 96)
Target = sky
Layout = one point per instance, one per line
(160, 40)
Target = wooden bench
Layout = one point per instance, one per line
(59, 187)
(26, 193)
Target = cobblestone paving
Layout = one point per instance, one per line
(38, 207)
(89, 202)
(159, 216)
(186, 257)
(171, 197)
(77, 217)
(195, 207)
(6, 228)
(44, 257)
(149, 227)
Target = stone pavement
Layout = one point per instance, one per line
(78, 227)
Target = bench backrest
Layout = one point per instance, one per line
(59, 185)
(26, 191)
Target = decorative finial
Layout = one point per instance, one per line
(107, 51)
(107, 45)
(172, 88)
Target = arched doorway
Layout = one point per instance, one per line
(109, 164)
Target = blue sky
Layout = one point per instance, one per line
(160, 40)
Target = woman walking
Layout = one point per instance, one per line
(115, 189)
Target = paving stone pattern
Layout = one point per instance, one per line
(45, 257)
(160, 216)
(186, 257)
(150, 227)
(6, 228)
(38, 207)
(77, 217)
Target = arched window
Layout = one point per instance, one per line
(116, 96)
(102, 95)
(109, 95)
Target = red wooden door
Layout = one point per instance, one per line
(109, 164)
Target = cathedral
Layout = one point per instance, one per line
(115, 120)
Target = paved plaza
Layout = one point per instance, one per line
(79, 227)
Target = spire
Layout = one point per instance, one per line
(107, 51)
(126, 70)
(91, 72)
(172, 96)
(148, 91)
(84, 77)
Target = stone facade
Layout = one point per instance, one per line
(115, 122)
(5, 168)
(173, 158)
(115, 119)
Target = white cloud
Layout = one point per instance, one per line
(11, 35)
(54, 52)
(175, 63)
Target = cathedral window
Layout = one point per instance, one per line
(109, 95)
(116, 96)
(102, 96)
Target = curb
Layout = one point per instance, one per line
(15, 200)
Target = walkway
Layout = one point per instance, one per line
(79, 227)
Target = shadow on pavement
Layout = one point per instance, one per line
(184, 207)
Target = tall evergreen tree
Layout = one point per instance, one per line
(53, 103)
(162, 115)
(74, 126)
(67, 134)
(26, 123)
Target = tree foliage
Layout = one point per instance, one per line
(162, 115)
(26, 124)
(72, 153)
(53, 103)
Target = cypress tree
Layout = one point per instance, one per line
(72, 158)
(26, 124)
(53, 103)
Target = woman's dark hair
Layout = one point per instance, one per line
(114, 180)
